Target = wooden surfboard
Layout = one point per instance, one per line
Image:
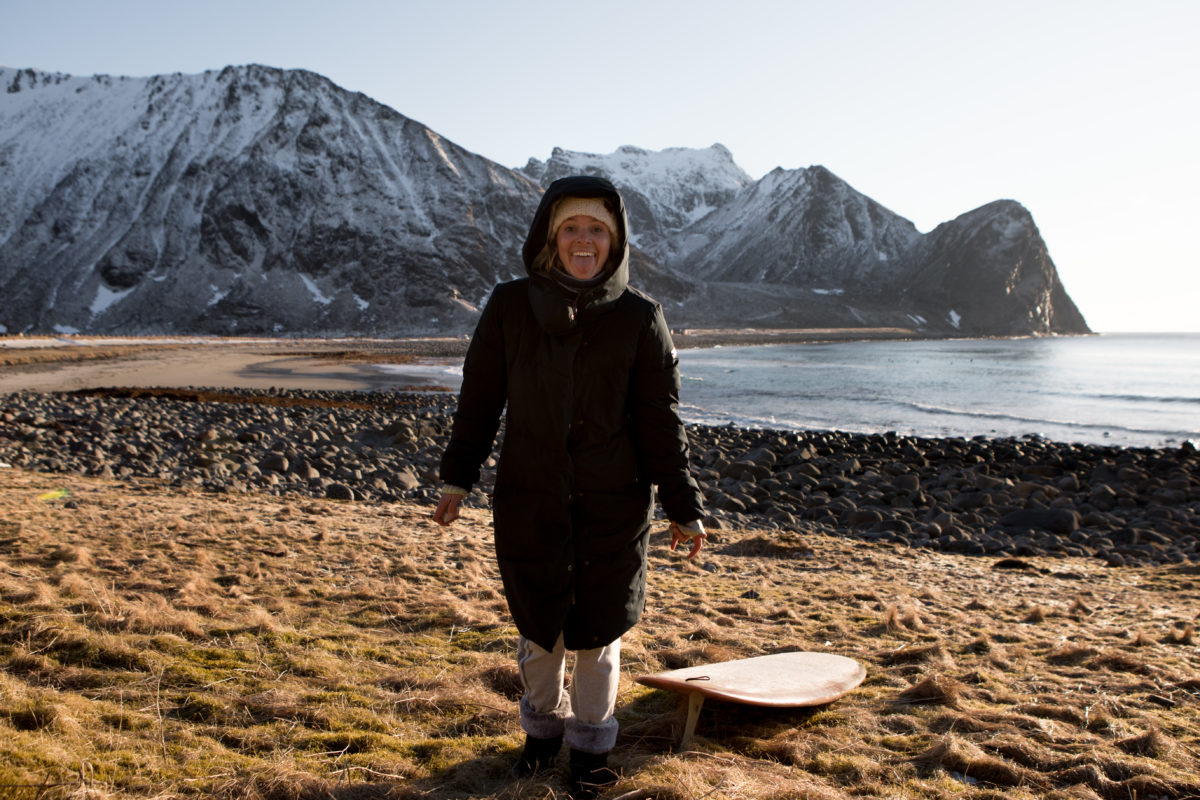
(784, 680)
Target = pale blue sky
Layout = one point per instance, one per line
(1086, 111)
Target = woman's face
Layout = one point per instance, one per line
(583, 243)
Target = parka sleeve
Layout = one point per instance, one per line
(480, 401)
(658, 430)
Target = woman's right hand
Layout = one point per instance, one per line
(447, 508)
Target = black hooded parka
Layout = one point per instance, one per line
(591, 384)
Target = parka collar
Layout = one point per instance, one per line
(557, 309)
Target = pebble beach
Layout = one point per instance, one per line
(987, 497)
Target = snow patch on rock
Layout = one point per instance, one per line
(106, 297)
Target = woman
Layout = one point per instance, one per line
(585, 365)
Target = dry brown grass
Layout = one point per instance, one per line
(168, 644)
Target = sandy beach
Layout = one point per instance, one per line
(54, 365)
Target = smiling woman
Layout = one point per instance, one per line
(583, 230)
(584, 369)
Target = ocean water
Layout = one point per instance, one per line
(1140, 390)
(1123, 389)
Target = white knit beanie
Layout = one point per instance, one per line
(591, 206)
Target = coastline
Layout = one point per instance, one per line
(850, 399)
(68, 363)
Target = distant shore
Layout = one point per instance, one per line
(728, 337)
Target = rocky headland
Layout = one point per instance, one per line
(1001, 498)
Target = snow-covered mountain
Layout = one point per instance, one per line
(258, 200)
(803, 248)
(803, 227)
(245, 200)
(664, 191)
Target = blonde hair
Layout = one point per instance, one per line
(546, 260)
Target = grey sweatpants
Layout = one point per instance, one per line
(585, 715)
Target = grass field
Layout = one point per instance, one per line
(161, 643)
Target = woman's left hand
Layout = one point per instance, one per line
(447, 508)
(693, 531)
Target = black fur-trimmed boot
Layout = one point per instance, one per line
(539, 754)
(590, 774)
(543, 736)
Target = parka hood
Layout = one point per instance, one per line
(555, 309)
(577, 186)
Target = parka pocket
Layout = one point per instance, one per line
(530, 527)
(612, 523)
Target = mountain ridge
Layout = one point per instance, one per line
(260, 200)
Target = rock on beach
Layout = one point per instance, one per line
(986, 497)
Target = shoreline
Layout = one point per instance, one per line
(68, 363)
(433, 364)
